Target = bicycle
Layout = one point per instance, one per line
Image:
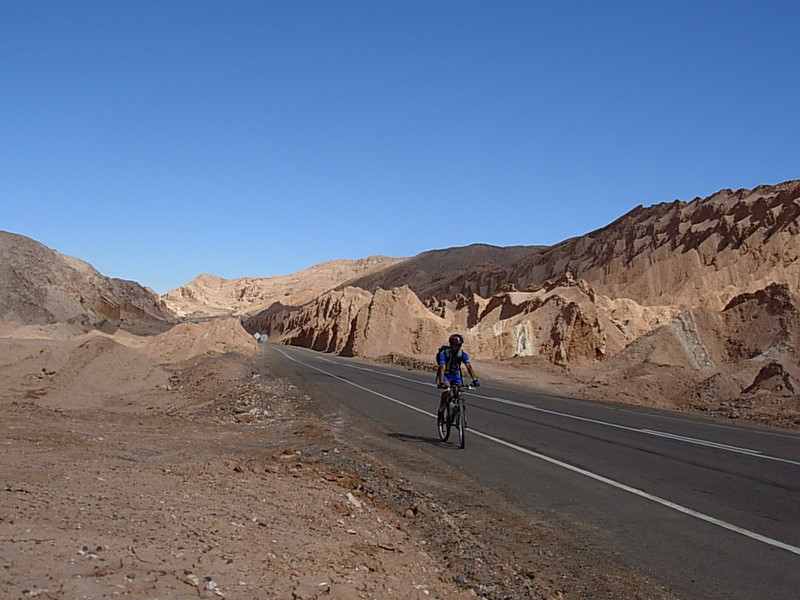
(455, 413)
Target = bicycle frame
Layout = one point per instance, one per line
(455, 412)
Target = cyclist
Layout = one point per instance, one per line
(448, 374)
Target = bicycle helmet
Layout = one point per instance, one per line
(456, 339)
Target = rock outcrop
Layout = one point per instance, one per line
(701, 253)
(684, 254)
(740, 362)
(41, 286)
(209, 295)
(561, 320)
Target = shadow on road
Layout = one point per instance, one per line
(433, 441)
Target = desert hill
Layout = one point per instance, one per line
(476, 269)
(69, 335)
(703, 252)
(209, 295)
(679, 253)
(39, 286)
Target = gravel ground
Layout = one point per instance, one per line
(228, 484)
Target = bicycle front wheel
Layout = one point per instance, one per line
(462, 425)
(444, 425)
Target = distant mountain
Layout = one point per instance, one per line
(39, 286)
(208, 295)
(477, 269)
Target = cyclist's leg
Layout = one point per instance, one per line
(445, 394)
(455, 382)
(443, 400)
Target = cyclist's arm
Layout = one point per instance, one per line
(470, 371)
(440, 374)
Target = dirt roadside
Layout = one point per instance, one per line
(229, 485)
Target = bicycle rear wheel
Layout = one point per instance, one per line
(444, 425)
(462, 425)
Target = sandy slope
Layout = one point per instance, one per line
(159, 469)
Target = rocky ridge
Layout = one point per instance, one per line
(682, 254)
(209, 295)
(649, 278)
(701, 253)
(43, 287)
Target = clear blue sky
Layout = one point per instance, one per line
(158, 140)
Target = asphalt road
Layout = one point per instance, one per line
(711, 510)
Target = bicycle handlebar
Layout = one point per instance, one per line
(461, 387)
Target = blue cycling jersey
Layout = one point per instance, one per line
(453, 374)
(455, 364)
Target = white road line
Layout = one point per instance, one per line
(641, 493)
(699, 442)
(652, 432)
